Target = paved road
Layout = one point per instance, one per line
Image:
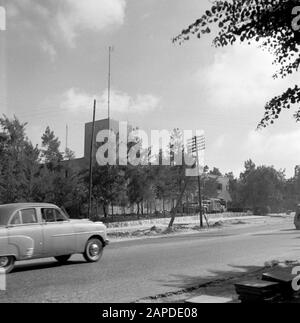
(136, 269)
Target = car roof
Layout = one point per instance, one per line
(16, 206)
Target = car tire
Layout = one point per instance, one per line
(63, 259)
(8, 263)
(93, 250)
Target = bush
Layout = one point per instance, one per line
(262, 210)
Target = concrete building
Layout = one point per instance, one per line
(223, 187)
(100, 125)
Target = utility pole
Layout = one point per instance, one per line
(199, 187)
(195, 145)
(91, 161)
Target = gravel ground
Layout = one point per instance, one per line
(134, 233)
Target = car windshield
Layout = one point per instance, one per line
(4, 216)
(65, 212)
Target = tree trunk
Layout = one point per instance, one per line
(187, 205)
(97, 209)
(179, 200)
(104, 210)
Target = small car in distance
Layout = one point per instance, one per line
(38, 230)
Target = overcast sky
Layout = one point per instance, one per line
(56, 64)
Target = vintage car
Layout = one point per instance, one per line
(32, 231)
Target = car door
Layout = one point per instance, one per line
(25, 234)
(58, 233)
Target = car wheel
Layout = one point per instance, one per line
(7, 263)
(63, 259)
(93, 250)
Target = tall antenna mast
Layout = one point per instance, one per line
(67, 136)
(110, 49)
(91, 162)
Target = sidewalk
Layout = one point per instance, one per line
(183, 221)
(185, 225)
(224, 288)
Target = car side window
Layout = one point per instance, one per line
(59, 217)
(16, 220)
(48, 215)
(52, 215)
(28, 216)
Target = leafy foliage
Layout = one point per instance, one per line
(50, 151)
(19, 162)
(262, 187)
(268, 22)
(25, 177)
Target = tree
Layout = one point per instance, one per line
(108, 186)
(69, 154)
(262, 187)
(292, 191)
(234, 191)
(19, 162)
(56, 182)
(272, 24)
(215, 172)
(139, 179)
(50, 152)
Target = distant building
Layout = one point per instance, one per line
(100, 125)
(223, 187)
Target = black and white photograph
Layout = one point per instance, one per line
(149, 154)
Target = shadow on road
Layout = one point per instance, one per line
(213, 283)
(212, 277)
(44, 265)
